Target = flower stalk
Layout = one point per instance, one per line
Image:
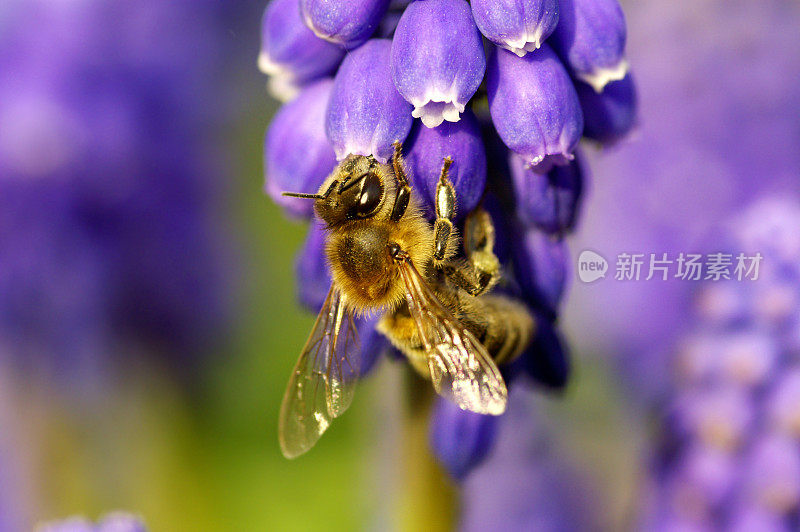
(427, 497)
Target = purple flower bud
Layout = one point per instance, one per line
(770, 227)
(297, 155)
(437, 59)
(366, 114)
(290, 51)
(611, 114)
(550, 201)
(312, 270)
(547, 361)
(520, 26)
(462, 142)
(540, 267)
(590, 37)
(534, 105)
(372, 344)
(505, 230)
(347, 23)
(461, 439)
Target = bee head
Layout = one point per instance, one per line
(355, 190)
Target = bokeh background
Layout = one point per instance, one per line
(147, 288)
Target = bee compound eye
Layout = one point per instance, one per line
(371, 194)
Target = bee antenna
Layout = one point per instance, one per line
(312, 196)
(302, 195)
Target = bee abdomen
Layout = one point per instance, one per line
(509, 327)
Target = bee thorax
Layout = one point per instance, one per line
(363, 267)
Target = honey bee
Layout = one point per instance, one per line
(385, 257)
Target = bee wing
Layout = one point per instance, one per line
(323, 381)
(460, 367)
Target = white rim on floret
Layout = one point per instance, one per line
(601, 77)
(359, 148)
(270, 67)
(527, 42)
(283, 88)
(436, 107)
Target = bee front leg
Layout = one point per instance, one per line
(403, 187)
(482, 269)
(445, 211)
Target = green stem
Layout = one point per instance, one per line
(428, 499)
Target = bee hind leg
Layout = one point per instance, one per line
(443, 233)
(481, 271)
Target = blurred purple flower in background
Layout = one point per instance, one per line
(300, 122)
(290, 52)
(110, 183)
(112, 522)
(714, 130)
(421, 83)
(15, 469)
(730, 439)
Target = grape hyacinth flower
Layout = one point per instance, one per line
(109, 180)
(731, 453)
(437, 59)
(534, 106)
(590, 38)
(507, 110)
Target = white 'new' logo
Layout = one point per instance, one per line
(591, 266)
